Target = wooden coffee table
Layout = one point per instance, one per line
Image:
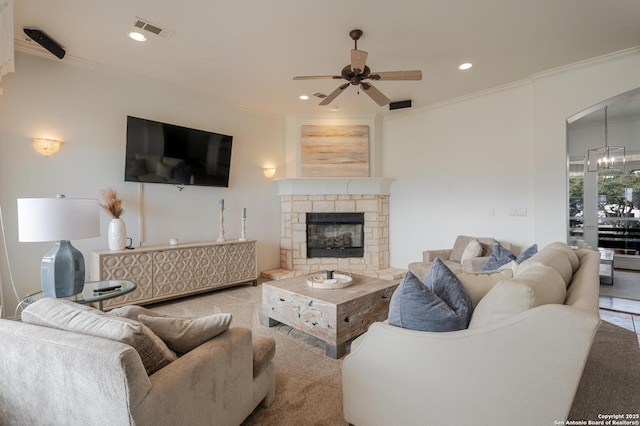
(334, 316)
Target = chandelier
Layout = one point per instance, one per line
(606, 158)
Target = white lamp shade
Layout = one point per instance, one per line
(57, 219)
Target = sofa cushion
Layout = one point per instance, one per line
(421, 269)
(499, 256)
(473, 249)
(535, 286)
(183, 334)
(77, 318)
(478, 284)
(438, 304)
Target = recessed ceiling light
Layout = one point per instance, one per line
(465, 66)
(334, 107)
(304, 97)
(137, 36)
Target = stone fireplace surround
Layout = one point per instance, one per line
(299, 196)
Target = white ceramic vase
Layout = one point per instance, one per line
(117, 234)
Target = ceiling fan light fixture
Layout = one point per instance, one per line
(465, 66)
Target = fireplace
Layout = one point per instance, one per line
(367, 197)
(335, 235)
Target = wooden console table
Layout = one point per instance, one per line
(166, 272)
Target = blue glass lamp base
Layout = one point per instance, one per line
(62, 271)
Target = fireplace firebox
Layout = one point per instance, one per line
(335, 235)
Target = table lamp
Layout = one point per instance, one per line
(59, 219)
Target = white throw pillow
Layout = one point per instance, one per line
(184, 334)
(473, 249)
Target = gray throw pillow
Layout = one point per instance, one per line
(499, 256)
(438, 304)
(65, 315)
(530, 251)
(184, 334)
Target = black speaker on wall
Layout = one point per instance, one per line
(400, 104)
(45, 41)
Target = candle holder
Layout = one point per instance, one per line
(243, 229)
(221, 230)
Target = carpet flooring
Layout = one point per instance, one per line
(309, 386)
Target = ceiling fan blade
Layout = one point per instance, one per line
(396, 75)
(317, 77)
(375, 94)
(358, 60)
(334, 94)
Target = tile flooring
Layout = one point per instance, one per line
(622, 319)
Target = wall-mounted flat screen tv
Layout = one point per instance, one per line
(165, 153)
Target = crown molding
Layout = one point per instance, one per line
(632, 51)
(532, 78)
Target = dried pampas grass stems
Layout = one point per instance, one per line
(112, 203)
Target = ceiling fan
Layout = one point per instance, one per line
(358, 71)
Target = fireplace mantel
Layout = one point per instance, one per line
(335, 186)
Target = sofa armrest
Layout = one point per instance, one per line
(212, 383)
(66, 370)
(430, 255)
(398, 376)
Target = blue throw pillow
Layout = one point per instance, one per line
(527, 253)
(438, 304)
(499, 256)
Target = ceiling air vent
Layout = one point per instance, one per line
(152, 28)
(319, 95)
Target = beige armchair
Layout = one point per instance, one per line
(51, 376)
(454, 257)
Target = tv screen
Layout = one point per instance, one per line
(166, 153)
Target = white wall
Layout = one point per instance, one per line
(87, 109)
(456, 163)
(460, 168)
(558, 96)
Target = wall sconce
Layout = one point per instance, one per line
(46, 147)
(269, 171)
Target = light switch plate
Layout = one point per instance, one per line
(518, 211)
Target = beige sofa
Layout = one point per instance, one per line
(453, 257)
(519, 362)
(55, 377)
